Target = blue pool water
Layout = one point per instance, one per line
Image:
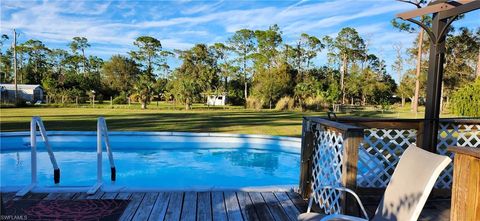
(163, 162)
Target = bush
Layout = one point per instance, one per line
(466, 100)
(254, 103)
(99, 98)
(314, 103)
(121, 99)
(285, 103)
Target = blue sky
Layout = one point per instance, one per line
(112, 26)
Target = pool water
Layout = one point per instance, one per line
(203, 168)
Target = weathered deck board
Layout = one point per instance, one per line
(275, 208)
(204, 210)
(132, 207)
(160, 207)
(255, 206)
(96, 195)
(260, 206)
(189, 208)
(66, 196)
(233, 208)
(174, 207)
(36, 196)
(8, 196)
(80, 196)
(287, 205)
(145, 207)
(123, 196)
(52, 196)
(298, 201)
(218, 207)
(246, 205)
(109, 195)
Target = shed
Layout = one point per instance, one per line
(216, 99)
(26, 92)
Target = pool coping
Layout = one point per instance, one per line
(66, 189)
(153, 133)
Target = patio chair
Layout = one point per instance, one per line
(406, 194)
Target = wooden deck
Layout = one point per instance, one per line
(227, 206)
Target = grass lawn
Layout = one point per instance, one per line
(200, 119)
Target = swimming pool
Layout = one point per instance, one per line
(157, 160)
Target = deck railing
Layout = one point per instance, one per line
(362, 154)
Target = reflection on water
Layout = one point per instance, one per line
(263, 160)
(178, 168)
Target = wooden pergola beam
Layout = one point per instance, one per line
(437, 7)
(462, 9)
(443, 13)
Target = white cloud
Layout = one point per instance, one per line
(111, 26)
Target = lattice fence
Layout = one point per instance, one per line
(380, 153)
(455, 134)
(327, 168)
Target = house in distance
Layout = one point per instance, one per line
(26, 92)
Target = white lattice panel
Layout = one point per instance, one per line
(454, 134)
(327, 168)
(380, 153)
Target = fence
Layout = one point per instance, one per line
(362, 154)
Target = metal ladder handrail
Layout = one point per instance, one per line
(102, 131)
(37, 121)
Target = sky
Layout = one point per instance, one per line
(111, 26)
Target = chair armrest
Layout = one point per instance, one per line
(343, 189)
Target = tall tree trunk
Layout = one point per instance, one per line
(245, 78)
(478, 66)
(15, 63)
(187, 104)
(226, 85)
(417, 73)
(342, 77)
(84, 62)
(403, 101)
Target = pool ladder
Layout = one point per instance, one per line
(102, 132)
(37, 121)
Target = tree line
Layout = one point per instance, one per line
(255, 68)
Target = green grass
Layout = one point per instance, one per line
(165, 118)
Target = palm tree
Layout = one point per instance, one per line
(143, 89)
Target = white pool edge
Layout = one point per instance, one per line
(153, 133)
(69, 189)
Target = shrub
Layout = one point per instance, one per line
(314, 103)
(285, 103)
(121, 99)
(254, 103)
(466, 100)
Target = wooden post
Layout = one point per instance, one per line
(420, 134)
(352, 139)
(306, 159)
(93, 101)
(466, 183)
(76, 100)
(111, 102)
